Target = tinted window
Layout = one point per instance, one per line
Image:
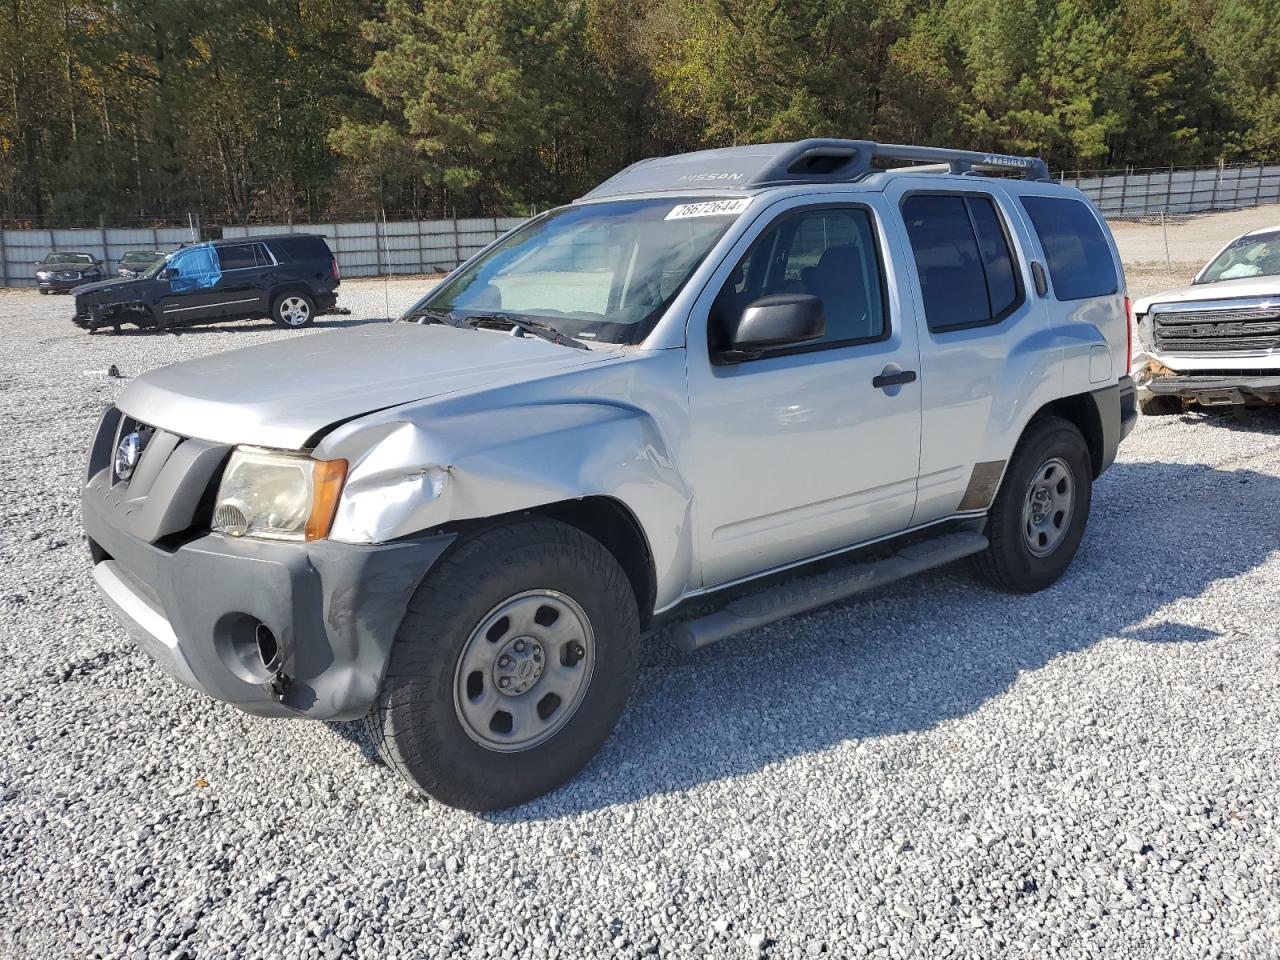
(1079, 257)
(962, 255)
(997, 261)
(301, 248)
(830, 254)
(237, 257)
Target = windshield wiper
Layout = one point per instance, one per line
(435, 315)
(537, 327)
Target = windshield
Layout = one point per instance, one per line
(155, 268)
(1255, 255)
(76, 258)
(600, 271)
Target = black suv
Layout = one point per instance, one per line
(291, 278)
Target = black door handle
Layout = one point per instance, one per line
(894, 379)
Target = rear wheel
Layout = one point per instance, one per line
(511, 667)
(1160, 405)
(1039, 516)
(293, 310)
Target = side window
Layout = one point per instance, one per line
(261, 255)
(962, 254)
(196, 269)
(237, 256)
(830, 254)
(1079, 256)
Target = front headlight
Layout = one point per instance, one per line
(278, 496)
(43, 274)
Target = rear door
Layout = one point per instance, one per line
(241, 291)
(985, 353)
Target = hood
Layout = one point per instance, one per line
(104, 288)
(281, 394)
(1221, 290)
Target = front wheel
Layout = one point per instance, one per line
(293, 310)
(1039, 516)
(512, 665)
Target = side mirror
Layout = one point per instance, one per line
(168, 273)
(777, 321)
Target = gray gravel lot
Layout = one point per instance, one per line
(936, 770)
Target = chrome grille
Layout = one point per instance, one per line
(1217, 331)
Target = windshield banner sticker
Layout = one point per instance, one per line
(709, 208)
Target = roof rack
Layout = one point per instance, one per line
(805, 161)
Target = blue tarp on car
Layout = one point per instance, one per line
(197, 268)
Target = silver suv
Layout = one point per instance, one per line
(752, 381)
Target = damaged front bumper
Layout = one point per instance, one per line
(1209, 388)
(275, 628)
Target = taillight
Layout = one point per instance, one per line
(1128, 336)
(337, 274)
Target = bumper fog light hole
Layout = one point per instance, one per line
(268, 649)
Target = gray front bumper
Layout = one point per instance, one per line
(333, 610)
(1216, 389)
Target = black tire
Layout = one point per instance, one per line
(416, 726)
(44, 292)
(1160, 405)
(287, 307)
(1009, 562)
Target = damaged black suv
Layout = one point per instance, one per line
(291, 278)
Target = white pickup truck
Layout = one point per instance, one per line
(750, 381)
(1216, 342)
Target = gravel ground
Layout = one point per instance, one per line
(936, 770)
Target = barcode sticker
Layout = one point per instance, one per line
(709, 208)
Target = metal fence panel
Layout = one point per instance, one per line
(374, 247)
(1139, 193)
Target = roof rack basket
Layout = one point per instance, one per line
(824, 160)
(806, 161)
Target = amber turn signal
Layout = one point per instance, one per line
(326, 484)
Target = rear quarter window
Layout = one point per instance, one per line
(1078, 255)
(301, 248)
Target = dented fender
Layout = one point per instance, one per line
(411, 474)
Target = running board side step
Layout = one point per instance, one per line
(809, 593)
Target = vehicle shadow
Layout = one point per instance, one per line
(1260, 419)
(240, 326)
(923, 651)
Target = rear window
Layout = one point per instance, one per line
(1078, 255)
(301, 248)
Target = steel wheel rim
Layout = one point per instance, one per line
(524, 671)
(294, 311)
(1048, 507)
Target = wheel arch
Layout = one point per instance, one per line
(1082, 411)
(605, 519)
